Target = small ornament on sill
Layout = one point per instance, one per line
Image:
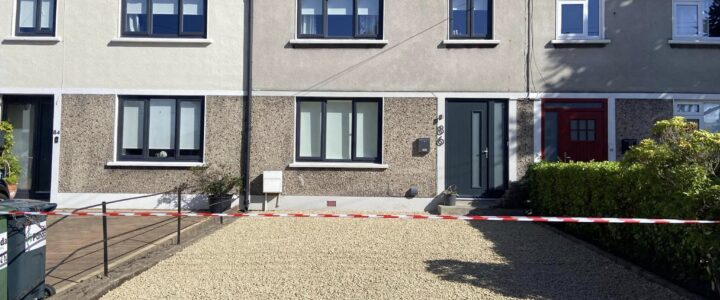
(161, 154)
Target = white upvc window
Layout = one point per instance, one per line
(696, 19)
(579, 19)
(705, 114)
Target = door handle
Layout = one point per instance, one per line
(486, 152)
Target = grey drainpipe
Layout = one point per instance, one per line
(248, 103)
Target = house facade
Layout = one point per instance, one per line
(362, 104)
(114, 99)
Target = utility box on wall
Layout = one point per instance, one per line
(272, 182)
(422, 146)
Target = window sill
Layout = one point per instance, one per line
(154, 164)
(338, 42)
(168, 41)
(590, 42)
(694, 42)
(471, 42)
(32, 39)
(331, 165)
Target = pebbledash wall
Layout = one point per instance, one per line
(404, 121)
(89, 130)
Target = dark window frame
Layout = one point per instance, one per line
(149, 34)
(145, 156)
(39, 31)
(325, 26)
(471, 21)
(323, 130)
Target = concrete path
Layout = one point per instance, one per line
(389, 259)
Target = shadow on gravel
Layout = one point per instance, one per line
(506, 279)
(540, 264)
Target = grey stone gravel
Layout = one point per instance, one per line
(286, 258)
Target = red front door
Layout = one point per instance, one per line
(574, 130)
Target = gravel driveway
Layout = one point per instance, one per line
(380, 258)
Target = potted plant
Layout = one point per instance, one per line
(218, 185)
(9, 164)
(450, 195)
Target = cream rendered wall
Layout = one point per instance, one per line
(638, 58)
(414, 59)
(28, 65)
(86, 58)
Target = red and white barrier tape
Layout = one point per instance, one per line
(370, 216)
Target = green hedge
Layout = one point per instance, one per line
(670, 178)
(606, 189)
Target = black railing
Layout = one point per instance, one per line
(104, 205)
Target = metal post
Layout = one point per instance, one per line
(105, 238)
(179, 207)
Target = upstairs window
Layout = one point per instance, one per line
(579, 19)
(338, 130)
(340, 19)
(697, 19)
(164, 18)
(160, 129)
(471, 19)
(35, 17)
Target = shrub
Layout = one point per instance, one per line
(673, 175)
(7, 158)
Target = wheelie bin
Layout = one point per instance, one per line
(26, 240)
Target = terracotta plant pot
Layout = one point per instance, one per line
(12, 188)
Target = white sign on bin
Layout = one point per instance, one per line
(272, 182)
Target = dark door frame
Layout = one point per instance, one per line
(488, 193)
(543, 109)
(37, 168)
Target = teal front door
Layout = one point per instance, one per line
(476, 147)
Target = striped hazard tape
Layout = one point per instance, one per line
(369, 216)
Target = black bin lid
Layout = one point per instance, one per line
(27, 206)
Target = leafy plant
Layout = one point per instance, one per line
(451, 191)
(7, 158)
(673, 175)
(215, 181)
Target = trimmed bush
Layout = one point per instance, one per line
(672, 176)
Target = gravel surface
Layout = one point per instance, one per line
(409, 259)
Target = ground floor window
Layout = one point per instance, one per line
(705, 114)
(160, 129)
(344, 130)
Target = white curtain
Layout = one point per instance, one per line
(190, 127)
(686, 20)
(27, 14)
(309, 12)
(162, 124)
(134, 9)
(366, 145)
(46, 14)
(133, 116)
(368, 17)
(338, 129)
(310, 128)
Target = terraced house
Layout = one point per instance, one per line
(366, 104)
